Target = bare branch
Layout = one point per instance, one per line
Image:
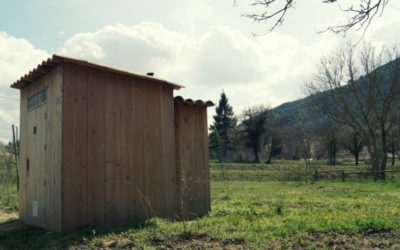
(359, 17)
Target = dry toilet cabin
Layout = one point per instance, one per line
(101, 146)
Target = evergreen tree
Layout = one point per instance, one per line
(222, 128)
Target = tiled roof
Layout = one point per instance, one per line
(51, 63)
(190, 102)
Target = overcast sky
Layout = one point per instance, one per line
(204, 45)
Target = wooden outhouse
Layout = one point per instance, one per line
(101, 146)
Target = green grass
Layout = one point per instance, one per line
(8, 187)
(258, 215)
(251, 214)
(8, 196)
(283, 170)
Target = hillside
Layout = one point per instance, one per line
(292, 114)
(297, 112)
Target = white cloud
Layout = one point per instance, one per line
(142, 48)
(17, 57)
(267, 69)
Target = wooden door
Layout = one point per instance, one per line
(36, 167)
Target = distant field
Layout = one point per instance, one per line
(283, 170)
(256, 214)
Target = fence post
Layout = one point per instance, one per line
(306, 170)
(16, 153)
(315, 174)
(241, 176)
(343, 176)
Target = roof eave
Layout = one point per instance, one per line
(56, 60)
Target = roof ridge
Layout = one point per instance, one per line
(55, 60)
(180, 100)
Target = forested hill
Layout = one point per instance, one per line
(297, 112)
(292, 114)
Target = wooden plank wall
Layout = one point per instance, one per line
(42, 183)
(119, 149)
(193, 181)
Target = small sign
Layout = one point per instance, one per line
(35, 205)
(58, 100)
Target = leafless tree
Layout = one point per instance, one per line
(359, 16)
(353, 89)
(394, 143)
(255, 127)
(352, 142)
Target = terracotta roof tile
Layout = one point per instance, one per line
(51, 63)
(190, 102)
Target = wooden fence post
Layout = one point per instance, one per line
(16, 154)
(241, 176)
(315, 174)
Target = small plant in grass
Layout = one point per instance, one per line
(279, 206)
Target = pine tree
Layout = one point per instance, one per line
(222, 128)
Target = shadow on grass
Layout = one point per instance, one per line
(21, 236)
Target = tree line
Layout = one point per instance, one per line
(353, 105)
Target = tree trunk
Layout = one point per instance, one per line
(375, 154)
(225, 152)
(270, 152)
(375, 166)
(384, 152)
(393, 151)
(332, 152)
(356, 155)
(256, 158)
(375, 159)
(255, 151)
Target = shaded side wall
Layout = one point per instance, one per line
(40, 182)
(193, 181)
(119, 149)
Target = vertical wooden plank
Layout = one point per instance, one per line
(119, 193)
(75, 173)
(138, 166)
(178, 159)
(131, 149)
(49, 171)
(109, 179)
(54, 146)
(96, 148)
(152, 149)
(23, 155)
(168, 148)
(125, 190)
(205, 184)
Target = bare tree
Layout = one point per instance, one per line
(359, 16)
(254, 128)
(353, 89)
(326, 133)
(352, 142)
(394, 143)
(274, 137)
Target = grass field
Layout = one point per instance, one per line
(254, 214)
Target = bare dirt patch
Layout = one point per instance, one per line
(372, 239)
(9, 221)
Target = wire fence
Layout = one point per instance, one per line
(247, 172)
(8, 181)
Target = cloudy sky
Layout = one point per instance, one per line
(204, 45)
